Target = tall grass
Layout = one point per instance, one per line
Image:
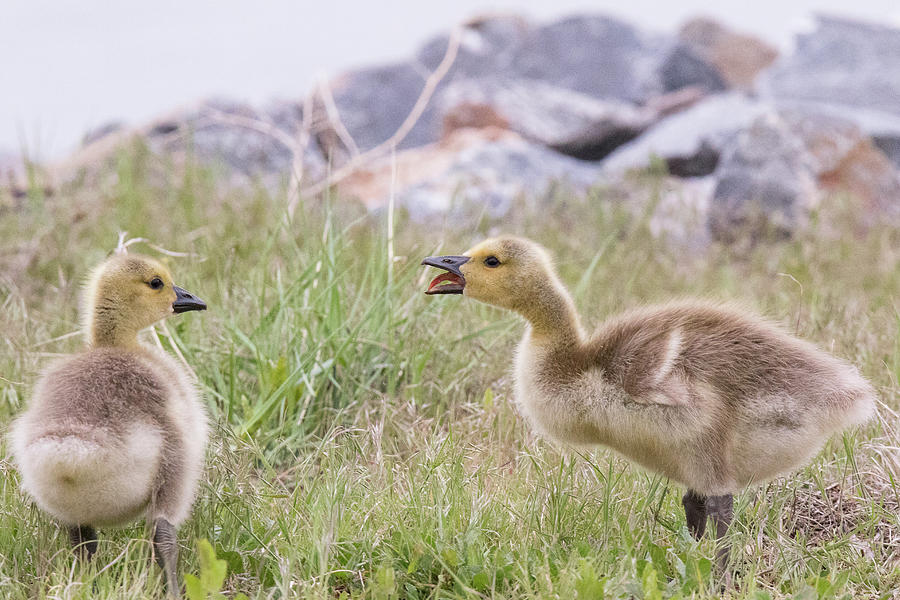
(366, 444)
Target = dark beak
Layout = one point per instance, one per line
(185, 301)
(454, 276)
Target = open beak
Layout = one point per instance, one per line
(451, 282)
(185, 301)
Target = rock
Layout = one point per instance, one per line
(674, 102)
(714, 58)
(845, 160)
(774, 172)
(371, 184)
(737, 58)
(890, 146)
(842, 62)
(286, 115)
(575, 84)
(469, 114)
(372, 104)
(699, 163)
(249, 143)
(595, 55)
(771, 163)
(762, 183)
(564, 120)
(600, 58)
(98, 133)
(525, 106)
(484, 167)
(685, 68)
(617, 124)
(488, 46)
(869, 177)
(200, 131)
(599, 138)
(689, 142)
(847, 69)
(882, 127)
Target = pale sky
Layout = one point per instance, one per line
(68, 66)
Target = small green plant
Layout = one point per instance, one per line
(649, 583)
(384, 584)
(589, 586)
(212, 576)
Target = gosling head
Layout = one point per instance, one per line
(508, 272)
(128, 293)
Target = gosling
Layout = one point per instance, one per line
(117, 431)
(707, 395)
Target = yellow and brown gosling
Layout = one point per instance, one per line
(705, 394)
(118, 430)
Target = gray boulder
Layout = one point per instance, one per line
(772, 162)
(97, 133)
(495, 174)
(486, 168)
(683, 67)
(245, 142)
(882, 127)
(847, 69)
(736, 57)
(567, 121)
(585, 75)
(844, 160)
(488, 46)
(762, 182)
(595, 55)
(890, 145)
(234, 135)
(842, 62)
(372, 104)
(691, 141)
(774, 172)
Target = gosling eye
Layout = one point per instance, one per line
(492, 261)
(156, 283)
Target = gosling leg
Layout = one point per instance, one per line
(695, 512)
(721, 510)
(169, 495)
(165, 546)
(84, 540)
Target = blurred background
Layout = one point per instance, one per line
(71, 67)
(759, 110)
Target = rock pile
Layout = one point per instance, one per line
(507, 108)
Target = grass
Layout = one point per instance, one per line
(366, 444)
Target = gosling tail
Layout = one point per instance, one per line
(65, 461)
(89, 476)
(856, 399)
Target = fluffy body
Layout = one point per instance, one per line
(707, 394)
(105, 431)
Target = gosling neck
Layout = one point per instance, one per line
(108, 327)
(552, 315)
